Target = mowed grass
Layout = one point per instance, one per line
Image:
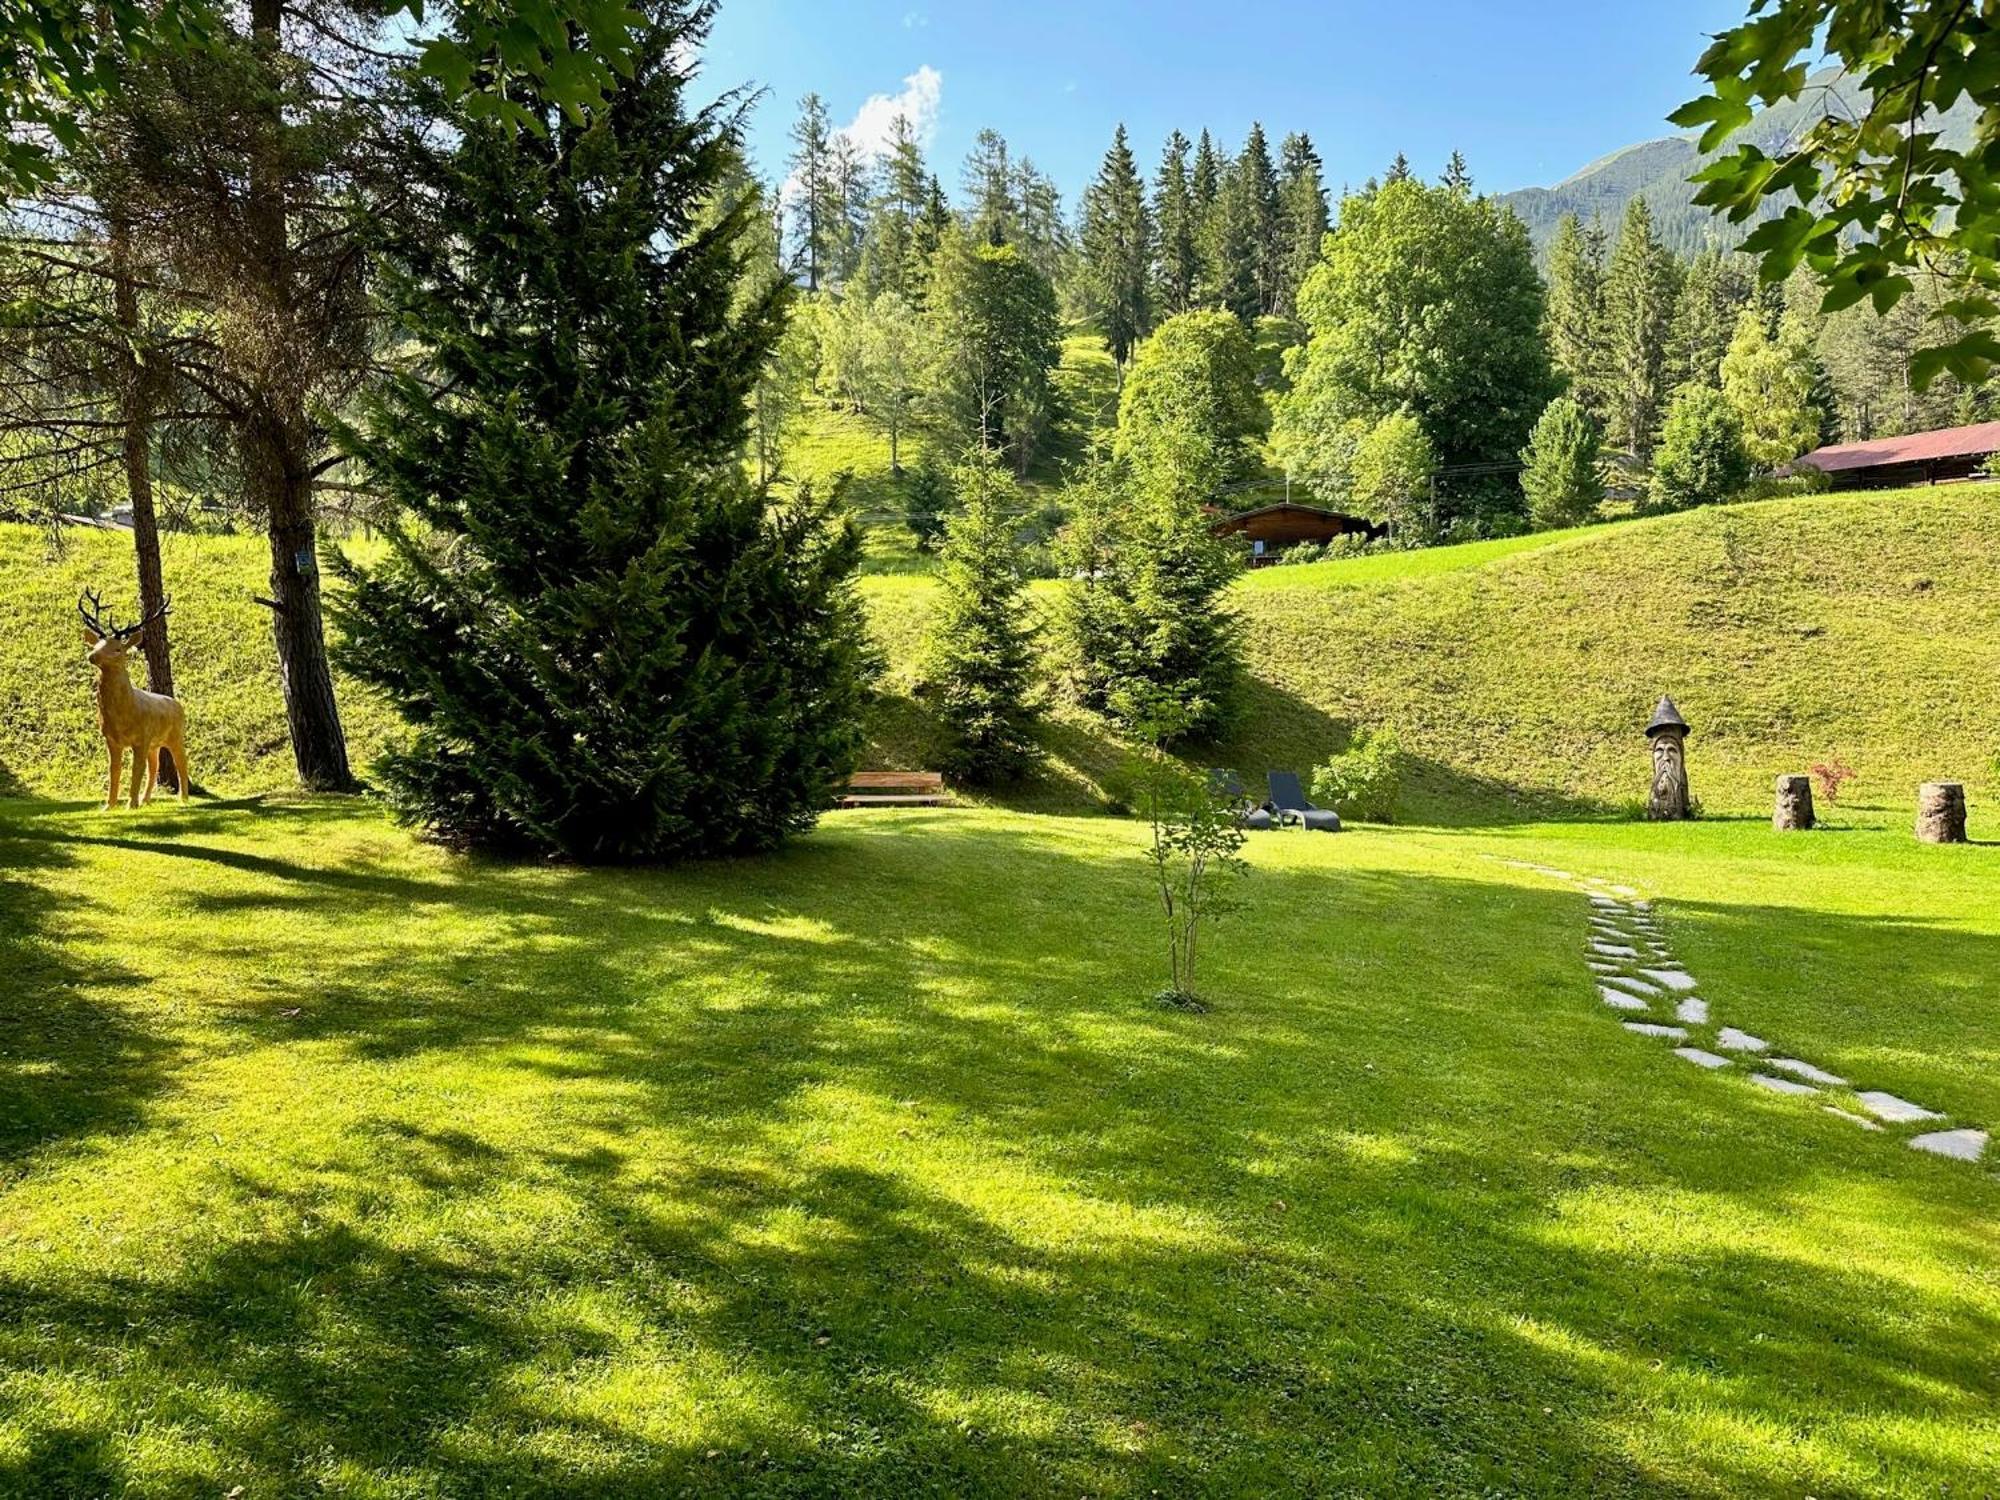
(335, 1164)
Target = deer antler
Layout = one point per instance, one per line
(132, 632)
(92, 612)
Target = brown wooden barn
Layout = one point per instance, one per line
(1270, 529)
(1937, 457)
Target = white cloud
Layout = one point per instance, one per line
(919, 101)
(923, 92)
(915, 19)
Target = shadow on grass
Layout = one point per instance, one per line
(72, 1060)
(1273, 1250)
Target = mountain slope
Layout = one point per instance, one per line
(1659, 170)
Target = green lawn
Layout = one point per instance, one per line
(334, 1164)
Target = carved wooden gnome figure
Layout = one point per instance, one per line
(1668, 731)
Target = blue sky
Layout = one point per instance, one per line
(1528, 91)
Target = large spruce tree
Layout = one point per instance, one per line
(1641, 285)
(1118, 250)
(609, 644)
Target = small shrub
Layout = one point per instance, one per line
(1701, 459)
(1196, 845)
(1301, 553)
(1830, 776)
(1364, 781)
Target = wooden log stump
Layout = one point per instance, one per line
(1794, 810)
(1941, 812)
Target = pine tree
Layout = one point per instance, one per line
(1560, 466)
(1263, 220)
(1205, 178)
(1230, 255)
(605, 643)
(1177, 274)
(1713, 293)
(992, 213)
(1399, 170)
(1043, 235)
(1574, 319)
(1640, 287)
(1302, 215)
(899, 211)
(1457, 175)
(1118, 250)
(849, 190)
(979, 656)
(812, 178)
(1143, 617)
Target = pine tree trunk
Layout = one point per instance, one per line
(138, 391)
(277, 448)
(281, 482)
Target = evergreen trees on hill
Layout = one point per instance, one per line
(608, 645)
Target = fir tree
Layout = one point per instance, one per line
(1118, 250)
(1303, 220)
(1574, 320)
(606, 646)
(1560, 466)
(1178, 273)
(1399, 170)
(1640, 287)
(1457, 175)
(979, 657)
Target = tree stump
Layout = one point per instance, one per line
(1795, 805)
(1941, 812)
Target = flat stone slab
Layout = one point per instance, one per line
(1598, 967)
(1959, 1145)
(1700, 1058)
(1849, 1115)
(1896, 1111)
(1694, 1012)
(1782, 1085)
(1619, 1000)
(1807, 1071)
(1636, 986)
(1729, 1039)
(1647, 1028)
(1614, 950)
(1672, 979)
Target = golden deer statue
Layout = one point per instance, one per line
(144, 723)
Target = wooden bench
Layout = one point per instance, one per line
(895, 789)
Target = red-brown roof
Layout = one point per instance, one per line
(1919, 447)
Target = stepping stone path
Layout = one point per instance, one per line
(1623, 927)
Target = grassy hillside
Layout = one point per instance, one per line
(1517, 673)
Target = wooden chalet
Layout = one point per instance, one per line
(1939, 457)
(1270, 529)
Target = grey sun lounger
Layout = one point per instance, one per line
(1228, 786)
(1289, 798)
